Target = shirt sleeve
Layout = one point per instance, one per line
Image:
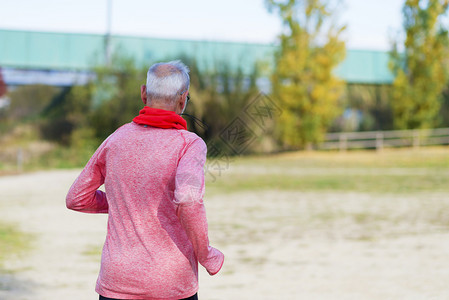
(189, 193)
(84, 195)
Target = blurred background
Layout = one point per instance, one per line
(70, 72)
(326, 124)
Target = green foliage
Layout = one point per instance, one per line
(373, 104)
(217, 98)
(444, 111)
(421, 71)
(303, 81)
(27, 102)
(82, 116)
(65, 113)
(88, 114)
(116, 95)
(64, 157)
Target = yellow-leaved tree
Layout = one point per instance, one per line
(303, 80)
(422, 69)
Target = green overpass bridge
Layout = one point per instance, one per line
(62, 57)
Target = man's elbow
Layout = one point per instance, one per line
(71, 202)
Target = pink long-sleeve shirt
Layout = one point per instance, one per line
(157, 228)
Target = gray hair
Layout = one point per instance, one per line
(167, 80)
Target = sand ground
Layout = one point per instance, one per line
(278, 244)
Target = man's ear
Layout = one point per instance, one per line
(181, 103)
(143, 93)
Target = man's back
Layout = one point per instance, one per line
(154, 184)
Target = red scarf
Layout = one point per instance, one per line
(160, 118)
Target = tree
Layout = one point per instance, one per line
(95, 110)
(373, 105)
(27, 102)
(88, 114)
(218, 97)
(421, 71)
(116, 94)
(303, 82)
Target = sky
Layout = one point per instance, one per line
(370, 23)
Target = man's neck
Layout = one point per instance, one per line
(161, 106)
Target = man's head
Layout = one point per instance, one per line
(167, 86)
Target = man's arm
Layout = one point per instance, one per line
(84, 195)
(189, 195)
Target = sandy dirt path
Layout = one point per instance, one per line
(56, 267)
(278, 244)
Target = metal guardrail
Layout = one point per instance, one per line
(382, 139)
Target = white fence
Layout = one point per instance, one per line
(381, 139)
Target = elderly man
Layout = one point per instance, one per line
(152, 170)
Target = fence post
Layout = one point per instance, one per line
(343, 142)
(416, 138)
(379, 141)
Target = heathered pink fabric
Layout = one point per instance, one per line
(157, 228)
